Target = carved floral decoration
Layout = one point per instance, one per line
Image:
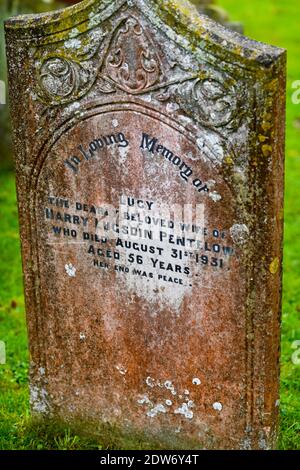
(130, 63)
(61, 78)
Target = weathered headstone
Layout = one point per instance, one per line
(129, 118)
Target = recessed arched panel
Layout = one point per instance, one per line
(154, 280)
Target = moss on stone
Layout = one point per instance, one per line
(180, 15)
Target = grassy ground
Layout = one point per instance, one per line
(271, 21)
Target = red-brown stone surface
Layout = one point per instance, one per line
(164, 337)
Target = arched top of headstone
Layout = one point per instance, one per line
(178, 19)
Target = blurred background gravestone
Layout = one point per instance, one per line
(211, 9)
(11, 8)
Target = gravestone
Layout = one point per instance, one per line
(149, 146)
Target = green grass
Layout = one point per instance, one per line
(275, 22)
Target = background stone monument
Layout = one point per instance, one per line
(214, 11)
(159, 331)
